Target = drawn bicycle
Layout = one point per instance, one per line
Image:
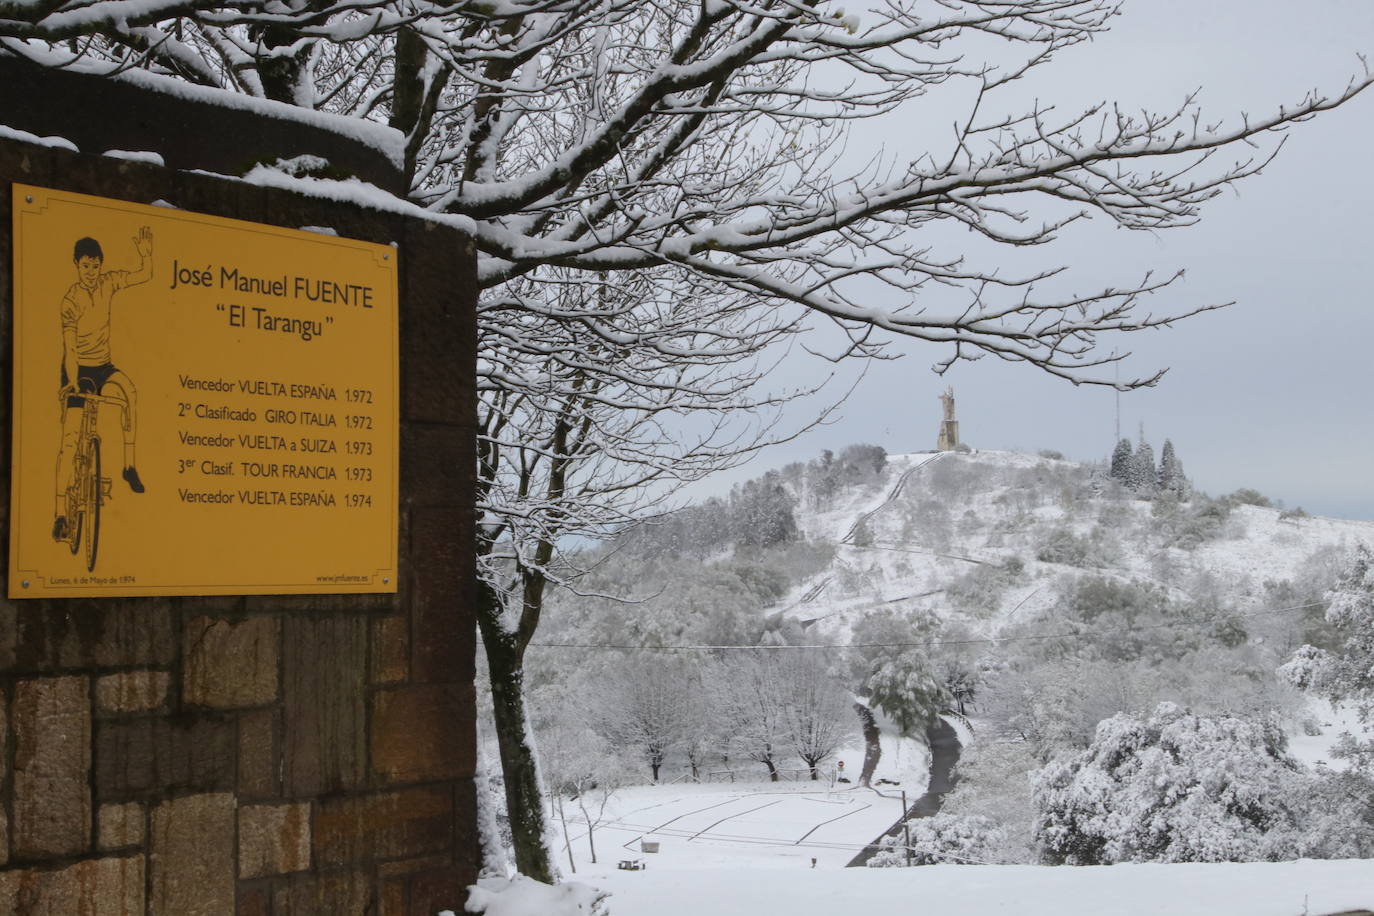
(87, 490)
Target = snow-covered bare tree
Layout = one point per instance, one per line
(642, 705)
(581, 767)
(749, 692)
(816, 706)
(700, 145)
(613, 135)
(596, 404)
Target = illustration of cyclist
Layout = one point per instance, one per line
(87, 364)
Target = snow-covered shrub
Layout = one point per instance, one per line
(1209, 520)
(995, 784)
(521, 896)
(1247, 496)
(863, 534)
(1174, 787)
(979, 590)
(1061, 545)
(943, 839)
(1345, 674)
(1338, 816)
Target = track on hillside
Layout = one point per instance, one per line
(892, 496)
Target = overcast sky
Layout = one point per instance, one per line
(1275, 392)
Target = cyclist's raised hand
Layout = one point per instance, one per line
(144, 242)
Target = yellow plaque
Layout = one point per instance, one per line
(202, 406)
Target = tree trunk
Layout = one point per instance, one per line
(815, 773)
(654, 765)
(587, 816)
(772, 769)
(567, 839)
(872, 749)
(524, 802)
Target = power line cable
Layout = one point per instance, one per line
(935, 643)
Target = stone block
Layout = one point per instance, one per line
(52, 764)
(273, 839)
(132, 691)
(390, 650)
(230, 665)
(9, 615)
(389, 825)
(403, 868)
(55, 636)
(4, 768)
(394, 896)
(118, 826)
(324, 700)
(438, 287)
(259, 755)
(431, 474)
(255, 899)
(138, 757)
(423, 733)
(25, 163)
(191, 857)
(94, 887)
(345, 893)
(440, 889)
(442, 572)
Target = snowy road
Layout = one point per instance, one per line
(944, 748)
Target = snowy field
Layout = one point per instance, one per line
(1304, 888)
(752, 825)
(747, 850)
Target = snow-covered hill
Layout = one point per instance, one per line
(932, 519)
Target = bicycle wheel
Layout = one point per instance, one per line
(93, 505)
(74, 517)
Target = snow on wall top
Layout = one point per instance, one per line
(386, 140)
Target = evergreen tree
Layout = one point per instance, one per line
(1171, 478)
(762, 511)
(1122, 462)
(1143, 469)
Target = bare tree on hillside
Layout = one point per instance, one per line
(816, 707)
(644, 705)
(749, 693)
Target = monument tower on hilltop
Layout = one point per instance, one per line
(948, 439)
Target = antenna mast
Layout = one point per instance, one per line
(1116, 366)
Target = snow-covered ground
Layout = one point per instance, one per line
(755, 824)
(1303, 888)
(1315, 750)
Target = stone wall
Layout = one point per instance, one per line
(256, 756)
